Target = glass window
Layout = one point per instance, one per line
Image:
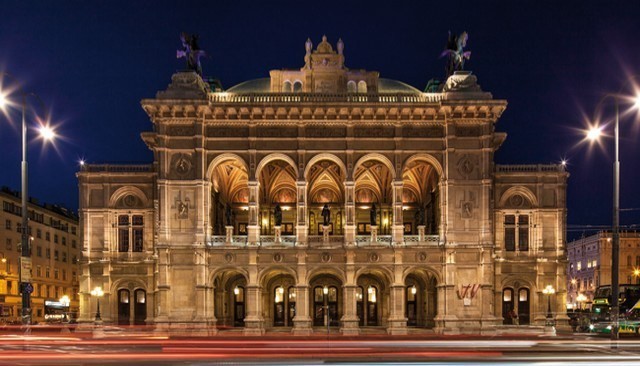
(47, 236)
(55, 238)
(141, 297)
(138, 223)
(123, 233)
(39, 234)
(239, 294)
(48, 252)
(64, 257)
(9, 244)
(318, 294)
(55, 273)
(38, 271)
(510, 232)
(8, 224)
(47, 272)
(372, 294)
(64, 241)
(523, 233)
(523, 295)
(411, 293)
(55, 254)
(507, 295)
(64, 274)
(279, 294)
(333, 294)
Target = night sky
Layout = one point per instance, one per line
(93, 61)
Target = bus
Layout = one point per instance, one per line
(628, 296)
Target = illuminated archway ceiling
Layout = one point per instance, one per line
(419, 180)
(373, 183)
(277, 183)
(326, 183)
(230, 180)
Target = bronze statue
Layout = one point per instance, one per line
(372, 215)
(191, 52)
(277, 214)
(228, 214)
(326, 215)
(455, 51)
(419, 216)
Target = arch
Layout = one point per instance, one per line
(510, 281)
(286, 87)
(386, 274)
(324, 156)
(423, 270)
(128, 190)
(221, 159)
(430, 159)
(351, 86)
(272, 157)
(267, 273)
(326, 271)
(524, 191)
(297, 86)
(374, 156)
(231, 269)
(118, 284)
(362, 86)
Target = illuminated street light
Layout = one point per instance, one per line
(65, 301)
(581, 299)
(325, 291)
(615, 246)
(594, 133)
(549, 290)
(24, 268)
(97, 293)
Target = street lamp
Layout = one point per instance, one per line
(581, 299)
(97, 293)
(25, 259)
(593, 134)
(64, 300)
(636, 274)
(549, 290)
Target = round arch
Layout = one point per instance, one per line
(128, 190)
(524, 191)
(386, 275)
(375, 156)
(330, 271)
(273, 157)
(272, 271)
(221, 159)
(324, 156)
(421, 269)
(123, 284)
(430, 159)
(232, 269)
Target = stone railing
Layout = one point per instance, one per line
(414, 240)
(529, 168)
(365, 240)
(285, 240)
(318, 241)
(324, 98)
(116, 168)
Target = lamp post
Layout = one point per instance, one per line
(549, 290)
(581, 299)
(636, 274)
(97, 293)
(25, 258)
(593, 134)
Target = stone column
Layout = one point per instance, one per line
(350, 320)
(162, 305)
(397, 230)
(253, 229)
(278, 234)
(421, 233)
(325, 235)
(350, 213)
(397, 322)
(374, 234)
(253, 321)
(229, 231)
(302, 227)
(302, 320)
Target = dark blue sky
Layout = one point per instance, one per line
(93, 61)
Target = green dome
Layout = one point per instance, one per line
(252, 86)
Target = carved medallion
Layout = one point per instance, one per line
(422, 256)
(516, 200)
(228, 258)
(325, 257)
(130, 200)
(183, 165)
(277, 257)
(465, 166)
(374, 257)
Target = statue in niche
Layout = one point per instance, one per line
(326, 215)
(228, 214)
(277, 214)
(419, 216)
(456, 53)
(308, 46)
(372, 215)
(183, 210)
(191, 52)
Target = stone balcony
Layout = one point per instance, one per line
(318, 241)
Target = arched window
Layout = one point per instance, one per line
(278, 306)
(286, 87)
(140, 307)
(362, 86)
(351, 86)
(124, 308)
(372, 305)
(292, 304)
(297, 86)
(238, 306)
(412, 311)
(507, 304)
(523, 306)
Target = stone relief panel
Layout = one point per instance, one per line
(467, 166)
(467, 203)
(182, 202)
(181, 166)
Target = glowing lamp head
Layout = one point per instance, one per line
(97, 292)
(636, 103)
(3, 260)
(636, 272)
(47, 133)
(325, 290)
(549, 290)
(594, 133)
(413, 290)
(236, 291)
(3, 100)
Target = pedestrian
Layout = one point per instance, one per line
(514, 316)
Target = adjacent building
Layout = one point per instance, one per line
(590, 264)
(55, 250)
(323, 195)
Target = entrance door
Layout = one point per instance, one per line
(140, 307)
(360, 305)
(523, 306)
(278, 307)
(332, 302)
(318, 306)
(507, 305)
(372, 306)
(124, 309)
(238, 306)
(412, 306)
(292, 305)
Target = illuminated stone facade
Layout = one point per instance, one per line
(451, 236)
(55, 250)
